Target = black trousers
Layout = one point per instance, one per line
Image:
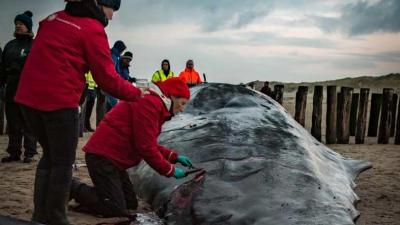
(90, 100)
(57, 133)
(18, 132)
(112, 194)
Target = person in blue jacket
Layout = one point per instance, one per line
(123, 71)
(124, 64)
(102, 97)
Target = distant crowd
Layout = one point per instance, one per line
(122, 60)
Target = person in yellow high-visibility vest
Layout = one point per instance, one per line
(164, 73)
(90, 99)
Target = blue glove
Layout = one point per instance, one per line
(179, 173)
(184, 160)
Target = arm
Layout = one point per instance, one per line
(102, 67)
(198, 79)
(182, 76)
(156, 77)
(168, 154)
(145, 132)
(3, 76)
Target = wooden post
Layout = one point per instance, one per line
(278, 93)
(317, 112)
(397, 137)
(376, 102)
(353, 113)
(343, 125)
(301, 103)
(362, 116)
(330, 133)
(339, 108)
(386, 116)
(394, 110)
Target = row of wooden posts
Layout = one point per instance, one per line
(346, 113)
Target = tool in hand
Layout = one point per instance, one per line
(193, 170)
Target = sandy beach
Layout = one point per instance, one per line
(378, 188)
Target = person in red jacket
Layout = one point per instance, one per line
(68, 44)
(126, 136)
(190, 75)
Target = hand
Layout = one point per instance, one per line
(184, 160)
(179, 173)
(144, 90)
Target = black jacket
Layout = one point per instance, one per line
(13, 59)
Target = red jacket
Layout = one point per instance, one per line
(65, 48)
(129, 132)
(190, 76)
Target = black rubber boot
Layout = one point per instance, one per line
(40, 194)
(11, 158)
(76, 184)
(58, 195)
(27, 159)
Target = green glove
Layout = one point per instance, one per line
(179, 173)
(184, 160)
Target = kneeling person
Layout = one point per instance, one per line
(125, 136)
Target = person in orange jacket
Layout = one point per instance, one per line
(190, 75)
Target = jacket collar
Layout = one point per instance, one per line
(189, 70)
(167, 101)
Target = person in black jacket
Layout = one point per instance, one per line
(13, 59)
(266, 89)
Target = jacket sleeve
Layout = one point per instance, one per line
(168, 154)
(98, 56)
(145, 133)
(198, 78)
(183, 77)
(156, 77)
(3, 76)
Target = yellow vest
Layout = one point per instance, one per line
(89, 80)
(160, 76)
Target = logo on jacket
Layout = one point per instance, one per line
(23, 53)
(52, 17)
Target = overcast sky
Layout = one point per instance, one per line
(237, 41)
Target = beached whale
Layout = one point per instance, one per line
(261, 167)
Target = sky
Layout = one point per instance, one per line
(238, 41)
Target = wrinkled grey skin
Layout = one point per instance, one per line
(262, 167)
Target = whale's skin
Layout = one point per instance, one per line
(262, 167)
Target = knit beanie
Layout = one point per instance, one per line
(114, 4)
(26, 19)
(127, 55)
(174, 86)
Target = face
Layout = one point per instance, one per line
(109, 12)
(179, 104)
(20, 28)
(165, 66)
(190, 64)
(126, 62)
